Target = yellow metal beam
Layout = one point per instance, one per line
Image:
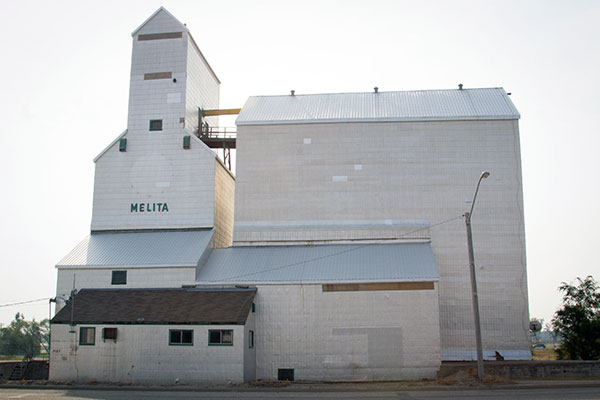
(227, 111)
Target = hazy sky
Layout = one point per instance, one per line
(65, 81)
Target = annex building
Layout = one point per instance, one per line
(337, 251)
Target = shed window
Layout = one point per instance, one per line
(250, 339)
(109, 333)
(221, 337)
(156, 124)
(87, 336)
(181, 337)
(119, 278)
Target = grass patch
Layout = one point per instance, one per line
(544, 354)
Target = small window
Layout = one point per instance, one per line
(119, 278)
(181, 337)
(87, 336)
(156, 124)
(250, 339)
(123, 144)
(223, 337)
(253, 307)
(285, 374)
(109, 333)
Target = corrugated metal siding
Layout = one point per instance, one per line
(139, 249)
(422, 105)
(325, 263)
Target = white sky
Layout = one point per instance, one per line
(65, 80)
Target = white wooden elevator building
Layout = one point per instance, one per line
(336, 252)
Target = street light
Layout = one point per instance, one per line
(484, 174)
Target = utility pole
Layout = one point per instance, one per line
(480, 372)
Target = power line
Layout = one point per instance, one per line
(339, 252)
(24, 302)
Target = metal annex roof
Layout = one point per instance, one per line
(418, 105)
(140, 249)
(399, 262)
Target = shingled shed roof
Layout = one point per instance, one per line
(158, 306)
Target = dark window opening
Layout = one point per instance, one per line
(250, 339)
(285, 374)
(87, 336)
(253, 307)
(158, 36)
(223, 337)
(181, 337)
(156, 124)
(119, 278)
(109, 333)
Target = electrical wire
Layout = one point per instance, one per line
(339, 252)
(25, 302)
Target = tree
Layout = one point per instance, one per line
(578, 321)
(23, 337)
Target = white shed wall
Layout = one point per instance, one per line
(142, 354)
(249, 352)
(365, 335)
(306, 173)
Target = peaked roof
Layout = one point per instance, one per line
(160, 9)
(140, 249)
(152, 306)
(418, 105)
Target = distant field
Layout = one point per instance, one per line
(544, 354)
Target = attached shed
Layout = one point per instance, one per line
(364, 311)
(160, 336)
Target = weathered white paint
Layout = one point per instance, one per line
(100, 278)
(366, 335)
(142, 354)
(156, 167)
(202, 88)
(224, 203)
(410, 171)
(249, 352)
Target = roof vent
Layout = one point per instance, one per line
(376, 89)
(293, 92)
(460, 85)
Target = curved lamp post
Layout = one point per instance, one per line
(484, 174)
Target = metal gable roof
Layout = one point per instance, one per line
(320, 263)
(420, 105)
(140, 249)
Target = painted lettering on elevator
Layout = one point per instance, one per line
(148, 207)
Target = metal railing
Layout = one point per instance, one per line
(218, 132)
